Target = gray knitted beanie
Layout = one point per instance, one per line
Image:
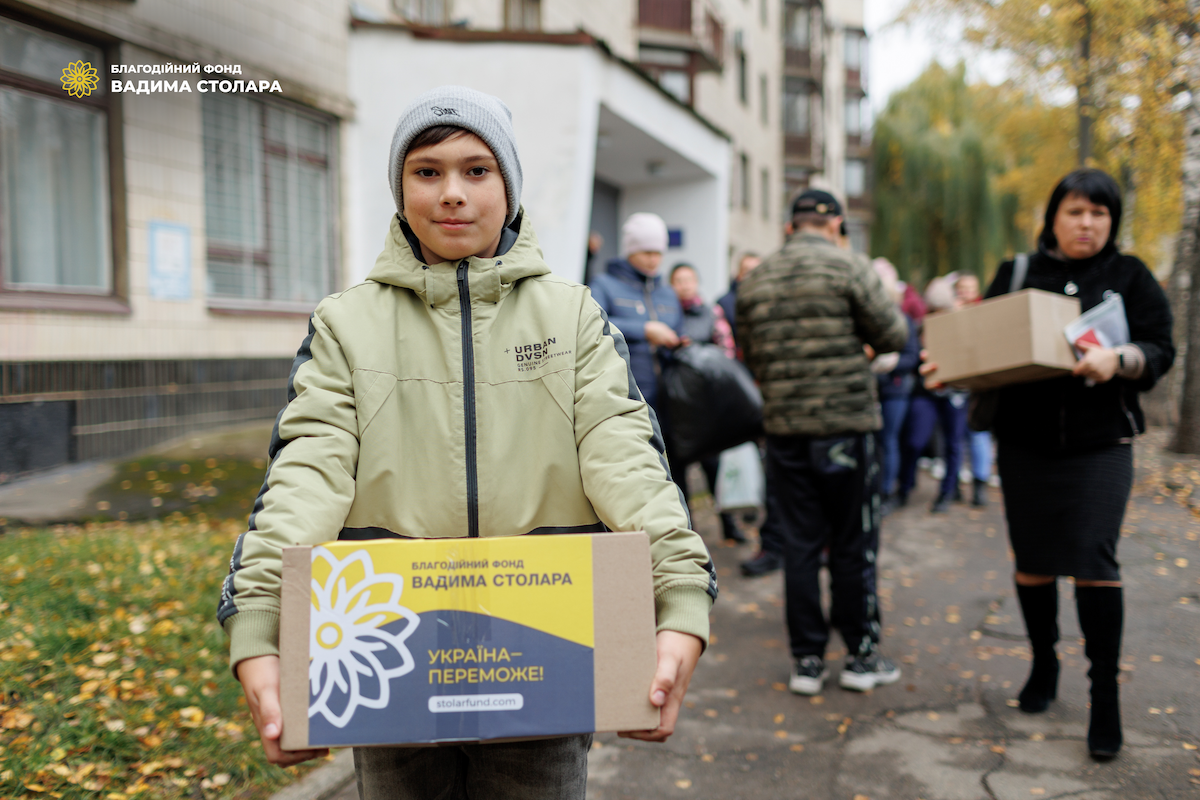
(483, 115)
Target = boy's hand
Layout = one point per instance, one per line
(677, 657)
(260, 682)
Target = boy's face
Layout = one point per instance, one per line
(454, 199)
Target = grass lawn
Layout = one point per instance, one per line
(114, 682)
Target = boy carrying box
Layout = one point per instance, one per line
(463, 390)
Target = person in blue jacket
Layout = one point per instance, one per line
(640, 303)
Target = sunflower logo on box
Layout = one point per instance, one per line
(353, 657)
(80, 79)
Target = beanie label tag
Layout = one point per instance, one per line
(441, 112)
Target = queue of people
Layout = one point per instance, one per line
(851, 407)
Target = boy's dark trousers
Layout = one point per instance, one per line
(544, 769)
(824, 493)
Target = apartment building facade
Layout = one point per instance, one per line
(162, 245)
(826, 116)
(719, 58)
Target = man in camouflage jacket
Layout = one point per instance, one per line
(803, 318)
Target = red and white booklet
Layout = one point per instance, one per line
(1105, 325)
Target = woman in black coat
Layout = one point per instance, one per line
(1064, 445)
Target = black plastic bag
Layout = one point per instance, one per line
(711, 403)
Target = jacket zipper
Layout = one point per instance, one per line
(468, 362)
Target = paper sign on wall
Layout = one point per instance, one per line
(170, 261)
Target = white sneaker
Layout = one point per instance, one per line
(808, 676)
(861, 674)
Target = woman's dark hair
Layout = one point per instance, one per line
(1097, 186)
(679, 266)
(435, 135)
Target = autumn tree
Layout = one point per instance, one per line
(935, 207)
(962, 173)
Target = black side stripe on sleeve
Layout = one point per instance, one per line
(711, 589)
(656, 437)
(226, 607)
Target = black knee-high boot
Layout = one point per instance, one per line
(1101, 615)
(1039, 605)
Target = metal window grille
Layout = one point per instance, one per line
(267, 201)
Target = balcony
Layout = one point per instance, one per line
(854, 80)
(802, 63)
(797, 148)
(687, 25)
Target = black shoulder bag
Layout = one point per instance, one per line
(981, 406)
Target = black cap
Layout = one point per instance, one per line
(815, 201)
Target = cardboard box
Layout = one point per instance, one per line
(1014, 338)
(421, 642)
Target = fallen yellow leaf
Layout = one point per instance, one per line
(797, 748)
(682, 783)
(16, 720)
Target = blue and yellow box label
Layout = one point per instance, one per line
(442, 640)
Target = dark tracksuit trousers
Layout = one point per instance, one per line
(824, 493)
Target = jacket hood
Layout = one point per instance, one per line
(621, 268)
(490, 278)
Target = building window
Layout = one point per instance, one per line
(426, 12)
(763, 95)
(797, 20)
(671, 68)
(54, 165)
(764, 13)
(855, 45)
(745, 179)
(854, 116)
(743, 79)
(766, 194)
(856, 177)
(268, 201)
(796, 107)
(523, 15)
